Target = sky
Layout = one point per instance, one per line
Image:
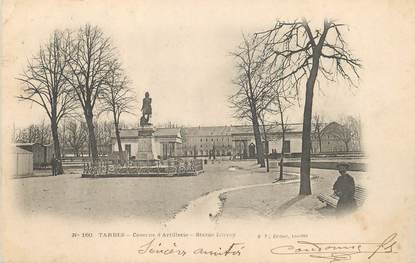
(177, 51)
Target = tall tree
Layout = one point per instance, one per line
(265, 130)
(254, 88)
(91, 58)
(301, 54)
(116, 100)
(44, 84)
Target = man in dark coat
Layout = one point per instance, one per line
(344, 188)
(54, 166)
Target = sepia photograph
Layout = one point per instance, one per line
(157, 131)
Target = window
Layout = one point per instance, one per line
(200, 139)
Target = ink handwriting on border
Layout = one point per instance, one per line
(338, 251)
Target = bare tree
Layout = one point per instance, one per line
(91, 59)
(103, 134)
(348, 132)
(300, 55)
(355, 126)
(318, 125)
(265, 130)
(76, 135)
(254, 93)
(284, 101)
(35, 133)
(44, 84)
(116, 100)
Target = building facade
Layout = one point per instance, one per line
(214, 141)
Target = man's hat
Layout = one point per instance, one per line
(345, 165)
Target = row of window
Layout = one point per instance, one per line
(208, 153)
(206, 146)
(212, 139)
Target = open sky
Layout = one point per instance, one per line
(176, 50)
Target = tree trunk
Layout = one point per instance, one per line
(258, 141)
(282, 154)
(56, 145)
(266, 154)
(266, 144)
(91, 135)
(117, 135)
(319, 143)
(305, 187)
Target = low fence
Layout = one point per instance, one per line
(133, 168)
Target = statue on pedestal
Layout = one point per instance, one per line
(146, 110)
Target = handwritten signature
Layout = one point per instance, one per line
(337, 251)
(157, 247)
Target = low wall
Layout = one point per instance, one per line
(357, 167)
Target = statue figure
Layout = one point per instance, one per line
(146, 110)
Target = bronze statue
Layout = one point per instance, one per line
(146, 110)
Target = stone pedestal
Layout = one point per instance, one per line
(146, 148)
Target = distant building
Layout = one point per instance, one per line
(206, 141)
(214, 141)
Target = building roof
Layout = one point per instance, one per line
(25, 144)
(20, 150)
(332, 126)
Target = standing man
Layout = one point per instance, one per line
(54, 165)
(344, 188)
(58, 164)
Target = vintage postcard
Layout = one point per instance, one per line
(207, 131)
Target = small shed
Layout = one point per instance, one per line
(23, 165)
(42, 154)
